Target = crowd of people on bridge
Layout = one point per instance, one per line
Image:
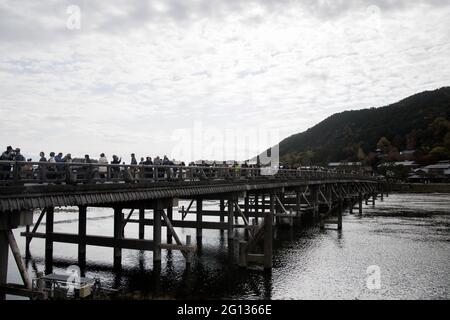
(56, 167)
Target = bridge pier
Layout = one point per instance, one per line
(141, 223)
(157, 235)
(298, 207)
(170, 216)
(222, 214)
(8, 222)
(256, 207)
(199, 221)
(230, 220)
(360, 201)
(49, 220)
(222, 210)
(268, 234)
(82, 213)
(315, 201)
(118, 223)
(4, 252)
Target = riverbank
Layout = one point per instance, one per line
(420, 187)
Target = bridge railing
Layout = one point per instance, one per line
(21, 172)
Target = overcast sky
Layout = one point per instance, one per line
(184, 78)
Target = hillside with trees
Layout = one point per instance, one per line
(420, 123)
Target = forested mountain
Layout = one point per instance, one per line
(420, 122)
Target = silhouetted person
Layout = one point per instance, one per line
(148, 171)
(103, 170)
(68, 169)
(7, 155)
(59, 162)
(52, 157)
(18, 156)
(67, 158)
(42, 167)
(116, 169)
(133, 159)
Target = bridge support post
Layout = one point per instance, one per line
(360, 201)
(189, 253)
(315, 198)
(4, 251)
(322, 221)
(374, 197)
(170, 217)
(230, 219)
(199, 220)
(243, 254)
(222, 210)
(82, 221)
(268, 235)
(118, 221)
(27, 243)
(247, 214)
(256, 206)
(141, 223)
(49, 220)
(330, 197)
(157, 236)
(339, 218)
(298, 208)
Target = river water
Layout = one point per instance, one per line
(406, 237)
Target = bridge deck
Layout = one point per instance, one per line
(45, 184)
(40, 196)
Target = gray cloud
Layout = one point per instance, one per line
(138, 70)
(45, 21)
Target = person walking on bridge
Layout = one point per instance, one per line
(60, 163)
(19, 157)
(88, 168)
(116, 169)
(133, 170)
(42, 167)
(52, 157)
(7, 155)
(67, 158)
(133, 159)
(103, 170)
(68, 169)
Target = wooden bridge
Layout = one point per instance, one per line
(251, 199)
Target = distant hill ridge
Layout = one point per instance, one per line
(418, 122)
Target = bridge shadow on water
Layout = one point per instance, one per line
(213, 274)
